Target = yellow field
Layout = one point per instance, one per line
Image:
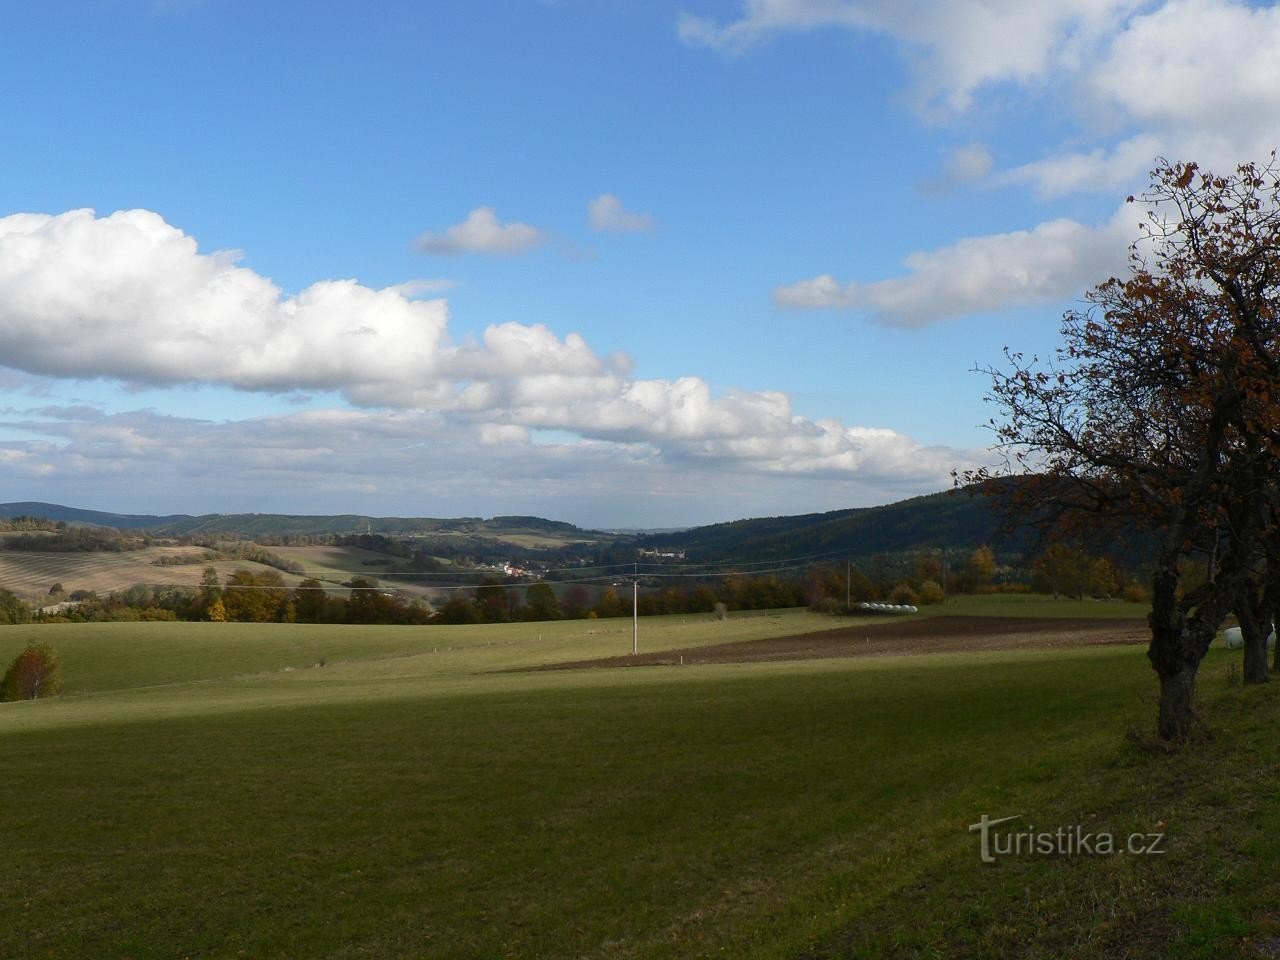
(30, 573)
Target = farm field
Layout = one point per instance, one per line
(337, 563)
(211, 790)
(30, 573)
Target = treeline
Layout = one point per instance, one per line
(245, 596)
(500, 603)
(64, 539)
(27, 524)
(263, 597)
(1060, 569)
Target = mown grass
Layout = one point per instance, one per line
(111, 656)
(403, 803)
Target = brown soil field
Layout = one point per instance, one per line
(928, 635)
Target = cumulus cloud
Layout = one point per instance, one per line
(130, 297)
(481, 232)
(1198, 64)
(1187, 79)
(606, 214)
(1055, 260)
(1184, 79)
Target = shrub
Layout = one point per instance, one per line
(1136, 593)
(930, 592)
(903, 593)
(35, 672)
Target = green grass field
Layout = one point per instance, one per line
(207, 790)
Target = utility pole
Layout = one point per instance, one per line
(848, 583)
(635, 616)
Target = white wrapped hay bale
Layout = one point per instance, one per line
(1233, 638)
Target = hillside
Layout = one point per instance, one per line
(950, 519)
(259, 524)
(74, 515)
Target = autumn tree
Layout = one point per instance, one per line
(310, 601)
(1162, 405)
(12, 608)
(36, 672)
(1062, 569)
(494, 601)
(541, 602)
(211, 593)
(577, 600)
(254, 597)
(980, 569)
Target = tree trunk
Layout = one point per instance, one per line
(1178, 643)
(1253, 630)
(1177, 692)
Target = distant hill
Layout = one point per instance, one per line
(261, 524)
(951, 519)
(55, 511)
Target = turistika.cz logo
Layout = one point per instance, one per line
(1068, 841)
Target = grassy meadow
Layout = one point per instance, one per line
(255, 791)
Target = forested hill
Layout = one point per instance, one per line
(97, 518)
(951, 519)
(276, 524)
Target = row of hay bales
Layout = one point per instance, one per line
(888, 608)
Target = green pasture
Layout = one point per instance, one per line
(210, 790)
(337, 563)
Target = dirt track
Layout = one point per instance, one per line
(930, 635)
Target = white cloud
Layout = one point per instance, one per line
(1187, 79)
(1197, 64)
(420, 462)
(761, 18)
(964, 165)
(970, 162)
(129, 297)
(956, 46)
(481, 232)
(1100, 168)
(823, 292)
(607, 214)
(1055, 260)
(1184, 79)
(411, 289)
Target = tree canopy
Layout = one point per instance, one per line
(1160, 406)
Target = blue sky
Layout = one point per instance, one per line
(667, 263)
